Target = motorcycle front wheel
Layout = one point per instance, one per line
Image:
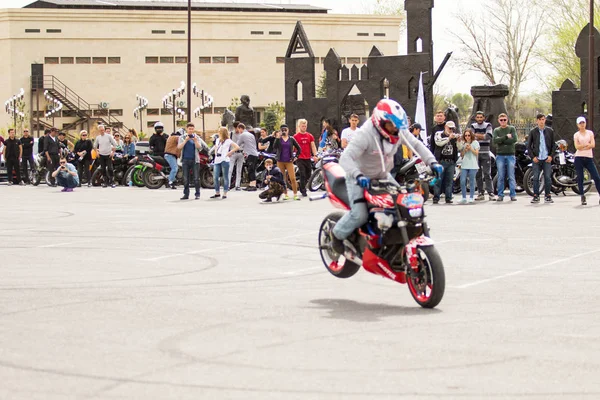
(428, 283)
(50, 181)
(315, 182)
(207, 178)
(331, 260)
(98, 177)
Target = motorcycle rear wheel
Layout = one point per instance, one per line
(153, 179)
(329, 257)
(50, 181)
(586, 188)
(98, 177)
(207, 178)
(428, 285)
(315, 182)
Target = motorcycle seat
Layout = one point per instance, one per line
(338, 186)
(160, 160)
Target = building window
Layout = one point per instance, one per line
(178, 32)
(322, 60)
(153, 111)
(150, 124)
(116, 112)
(280, 60)
(365, 59)
(204, 60)
(67, 60)
(218, 60)
(362, 34)
(114, 60)
(274, 32)
(151, 60)
(379, 34)
(353, 60)
(101, 113)
(257, 32)
(32, 31)
(180, 60)
(50, 60)
(165, 111)
(343, 60)
(99, 60)
(83, 60)
(166, 60)
(158, 32)
(233, 60)
(219, 110)
(53, 30)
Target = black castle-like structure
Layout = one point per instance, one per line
(401, 71)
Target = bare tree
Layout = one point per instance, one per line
(500, 43)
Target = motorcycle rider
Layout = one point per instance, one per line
(158, 141)
(370, 155)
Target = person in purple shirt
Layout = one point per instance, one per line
(284, 147)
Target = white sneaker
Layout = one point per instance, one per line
(470, 200)
(463, 201)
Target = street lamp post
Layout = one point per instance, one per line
(12, 106)
(138, 111)
(169, 101)
(189, 61)
(207, 101)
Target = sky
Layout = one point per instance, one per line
(454, 79)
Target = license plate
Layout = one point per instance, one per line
(562, 159)
(421, 167)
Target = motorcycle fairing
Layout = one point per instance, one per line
(411, 249)
(379, 266)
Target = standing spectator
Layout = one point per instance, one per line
(275, 182)
(247, 142)
(505, 138)
(13, 153)
(83, 149)
(64, 145)
(265, 143)
(483, 134)
(118, 141)
(438, 126)
(307, 144)
(350, 131)
(27, 144)
(134, 136)
(51, 151)
(284, 148)
(447, 154)
(224, 149)
(105, 146)
(172, 153)
(128, 146)
(66, 176)
(541, 145)
(329, 137)
(237, 159)
(158, 140)
(584, 157)
(41, 141)
(190, 144)
(469, 149)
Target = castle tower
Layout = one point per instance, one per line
(419, 24)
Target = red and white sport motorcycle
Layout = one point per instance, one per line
(394, 243)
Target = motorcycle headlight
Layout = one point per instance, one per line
(416, 212)
(384, 221)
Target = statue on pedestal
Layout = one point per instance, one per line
(244, 113)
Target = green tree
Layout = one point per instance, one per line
(274, 116)
(233, 105)
(463, 102)
(322, 85)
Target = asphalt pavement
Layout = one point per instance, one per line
(131, 293)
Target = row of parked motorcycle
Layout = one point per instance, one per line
(150, 171)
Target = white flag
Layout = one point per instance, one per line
(420, 114)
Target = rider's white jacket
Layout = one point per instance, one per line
(372, 156)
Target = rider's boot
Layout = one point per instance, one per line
(337, 245)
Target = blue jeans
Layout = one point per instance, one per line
(358, 214)
(446, 182)
(68, 181)
(221, 168)
(587, 163)
(537, 169)
(187, 166)
(172, 160)
(505, 163)
(472, 174)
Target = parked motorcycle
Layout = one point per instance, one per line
(394, 243)
(316, 180)
(121, 164)
(40, 170)
(456, 183)
(564, 175)
(415, 170)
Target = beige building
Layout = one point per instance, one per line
(101, 54)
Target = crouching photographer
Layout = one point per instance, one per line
(66, 176)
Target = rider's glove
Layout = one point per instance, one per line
(363, 181)
(437, 170)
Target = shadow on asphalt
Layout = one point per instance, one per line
(351, 310)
